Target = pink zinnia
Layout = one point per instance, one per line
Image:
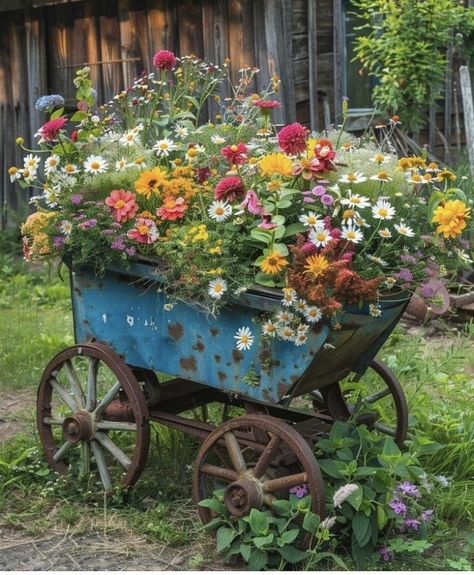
(51, 129)
(267, 104)
(123, 205)
(252, 203)
(235, 154)
(325, 154)
(164, 60)
(292, 138)
(144, 232)
(172, 208)
(267, 223)
(229, 189)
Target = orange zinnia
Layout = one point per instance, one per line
(273, 263)
(316, 265)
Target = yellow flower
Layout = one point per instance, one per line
(405, 164)
(216, 250)
(276, 164)
(451, 217)
(273, 263)
(216, 272)
(445, 175)
(150, 181)
(316, 265)
(310, 145)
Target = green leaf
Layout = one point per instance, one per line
(331, 468)
(57, 113)
(245, 551)
(213, 504)
(391, 448)
(193, 100)
(78, 116)
(381, 517)
(260, 542)
(361, 528)
(224, 536)
(355, 499)
(311, 522)
(258, 560)
(292, 554)
(261, 235)
(283, 204)
(282, 249)
(288, 537)
(258, 522)
(264, 280)
(294, 229)
(282, 506)
(365, 472)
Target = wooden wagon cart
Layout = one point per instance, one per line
(97, 398)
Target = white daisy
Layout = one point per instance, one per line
(70, 169)
(300, 339)
(28, 175)
(286, 333)
(181, 131)
(129, 138)
(417, 179)
(138, 128)
(121, 164)
(385, 233)
(284, 316)
(244, 338)
(301, 305)
(352, 234)
(381, 176)
(312, 314)
(379, 159)
(216, 139)
(65, 227)
(217, 287)
(302, 328)
(219, 210)
(289, 297)
(31, 163)
(352, 178)
(356, 201)
(404, 230)
(377, 260)
(14, 173)
(164, 147)
(383, 210)
(51, 164)
(269, 329)
(95, 165)
(311, 219)
(320, 237)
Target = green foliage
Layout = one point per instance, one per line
(403, 44)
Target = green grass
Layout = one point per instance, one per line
(437, 375)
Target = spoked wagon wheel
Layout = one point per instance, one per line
(253, 473)
(377, 398)
(92, 416)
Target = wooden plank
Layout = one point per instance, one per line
(300, 46)
(140, 41)
(160, 25)
(313, 65)
(448, 100)
(468, 107)
(241, 35)
(128, 70)
(260, 46)
(190, 28)
(109, 35)
(338, 59)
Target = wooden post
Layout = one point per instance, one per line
(313, 67)
(338, 21)
(468, 107)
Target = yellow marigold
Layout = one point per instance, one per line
(310, 145)
(418, 162)
(150, 181)
(276, 163)
(273, 263)
(451, 217)
(37, 223)
(316, 265)
(180, 186)
(183, 172)
(405, 164)
(445, 175)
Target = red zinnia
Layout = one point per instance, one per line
(229, 189)
(164, 60)
(235, 154)
(172, 208)
(292, 138)
(267, 104)
(325, 154)
(50, 130)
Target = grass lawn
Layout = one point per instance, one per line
(437, 374)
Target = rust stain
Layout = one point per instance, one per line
(282, 388)
(237, 356)
(188, 363)
(217, 357)
(222, 376)
(199, 346)
(176, 331)
(214, 331)
(294, 378)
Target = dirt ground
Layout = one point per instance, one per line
(17, 414)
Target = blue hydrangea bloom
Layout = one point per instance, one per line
(45, 103)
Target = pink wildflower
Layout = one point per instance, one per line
(50, 130)
(266, 222)
(164, 60)
(123, 205)
(292, 138)
(172, 208)
(252, 203)
(267, 104)
(144, 232)
(235, 154)
(229, 189)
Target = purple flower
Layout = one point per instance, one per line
(118, 244)
(384, 553)
(130, 251)
(412, 523)
(407, 488)
(427, 291)
(299, 490)
(76, 199)
(427, 515)
(408, 259)
(398, 506)
(88, 224)
(318, 191)
(108, 232)
(404, 274)
(327, 200)
(58, 241)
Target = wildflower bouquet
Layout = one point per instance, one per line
(235, 202)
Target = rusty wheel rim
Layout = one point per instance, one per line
(257, 473)
(88, 401)
(340, 403)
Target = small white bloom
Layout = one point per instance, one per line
(352, 178)
(164, 147)
(129, 138)
(356, 201)
(51, 197)
(374, 310)
(70, 169)
(343, 493)
(219, 210)
(300, 338)
(217, 287)
(14, 173)
(65, 227)
(244, 338)
(352, 234)
(181, 131)
(383, 210)
(95, 119)
(31, 163)
(404, 230)
(381, 176)
(377, 260)
(327, 523)
(385, 233)
(121, 164)
(216, 139)
(312, 314)
(284, 317)
(269, 329)
(302, 328)
(51, 164)
(286, 333)
(289, 297)
(380, 159)
(95, 165)
(301, 305)
(311, 219)
(319, 237)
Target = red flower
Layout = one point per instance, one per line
(229, 189)
(123, 205)
(172, 208)
(203, 174)
(267, 104)
(325, 154)
(292, 138)
(144, 232)
(74, 135)
(51, 129)
(235, 154)
(164, 60)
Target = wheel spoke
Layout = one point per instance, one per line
(76, 387)
(376, 396)
(285, 482)
(65, 447)
(266, 457)
(91, 399)
(235, 453)
(119, 455)
(108, 398)
(221, 472)
(52, 421)
(384, 429)
(117, 425)
(85, 458)
(101, 465)
(66, 397)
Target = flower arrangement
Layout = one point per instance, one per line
(328, 218)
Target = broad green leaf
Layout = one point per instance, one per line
(355, 499)
(365, 472)
(193, 101)
(288, 537)
(258, 522)
(245, 551)
(224, 536)
(311, 522)
(261, 235)
(78, 116)
(213, 504)
(283, 204)
(260, 542)
(258, 560)
(332, 468)
(282, 249)
(264, 280)
(292, 554)
(57, 113)
(294, 229)
(361, 529)
(281, 506)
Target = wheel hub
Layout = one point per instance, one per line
(241, 496)
(78, 427)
